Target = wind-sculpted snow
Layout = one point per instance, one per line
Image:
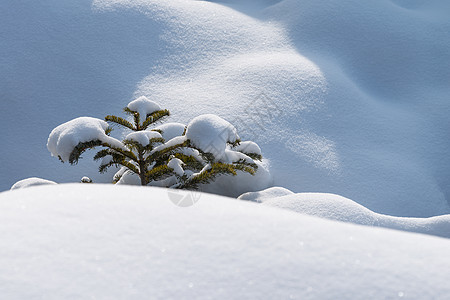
(82, 241)
(349, 98)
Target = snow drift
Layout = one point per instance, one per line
(349, 98)
(105, 241)
(339, 208)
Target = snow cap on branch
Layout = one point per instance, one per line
(64, 138)
(211, 133)
(143, 106)
(143, 137)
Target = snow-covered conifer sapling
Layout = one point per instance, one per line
(196, 154)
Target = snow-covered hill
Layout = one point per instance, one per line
(346, 97)
(84, 241)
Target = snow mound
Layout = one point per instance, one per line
(211, 133)
(82, 241)
(32, 181)
(267, 194)
(171, 130)
(64, 138)
(143, 106)
(339, 208)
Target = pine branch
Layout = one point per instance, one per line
(133, 145)
(137, 121)
(190, 161)
(235, 143)
(158, 173)
(208, 175)
(108, 130)
(128, 111)
(157, 155)
(246, 163)
(253, 155)
(117, 177)
(120, 121)
(153, 117)
(130, 167)
(151, 143)
(75, 155)
(126, 153)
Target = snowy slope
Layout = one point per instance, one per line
(115, 242)
(346, 97)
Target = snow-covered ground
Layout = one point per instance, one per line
(345, 97)
(90, 241)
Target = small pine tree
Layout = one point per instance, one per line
(185, 165)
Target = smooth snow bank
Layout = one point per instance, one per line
(32, 181)
(64, 138)
(335, 207)
(110, 242)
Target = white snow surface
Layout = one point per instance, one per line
(143, 106)
(343, 97)
(211, 133)
(81, 241)
(32, 181)
(335, 207)
(63, 139)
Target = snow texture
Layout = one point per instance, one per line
(64, 138)
(143, 106)
(344, 97)
(32, 181)
(339, 208)
(82, 241)
(211, 133)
